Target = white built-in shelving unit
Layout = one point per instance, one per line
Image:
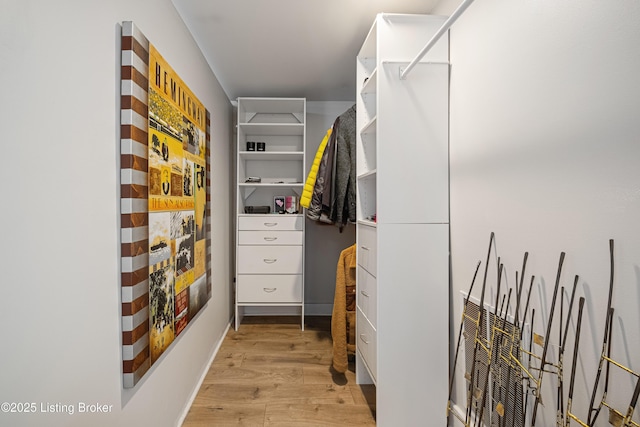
(403, 220)
(270, 247)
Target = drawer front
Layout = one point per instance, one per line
(270, 222)
(270, 259)
(366, 343)
(270, 238)
(269, 288)
(366, 296)
(367, 244)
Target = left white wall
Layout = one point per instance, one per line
(59, 111)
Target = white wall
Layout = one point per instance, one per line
(323, 242)
(544, 149)
(59, 111)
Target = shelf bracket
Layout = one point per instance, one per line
(443, 29)
(248, 191)
(299, 117)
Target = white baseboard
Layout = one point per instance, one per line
(195, 391)
(318, 309)
(309, 310)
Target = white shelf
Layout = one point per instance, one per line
(271, 155)
(263, 129)
(273, 214)
(248, 105)
(270, 184)
(369, 174)
(369, 127)
(369, 87)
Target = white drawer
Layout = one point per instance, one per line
(366, 343)
(270, 238)
(270, 222)
(367, 243)
(270, 259)
(366, 296)
(269, 288)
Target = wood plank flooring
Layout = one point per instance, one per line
(270, 373)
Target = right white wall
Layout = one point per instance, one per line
(545, 152)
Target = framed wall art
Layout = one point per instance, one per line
(165, 205)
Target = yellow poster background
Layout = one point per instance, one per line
(177, 186)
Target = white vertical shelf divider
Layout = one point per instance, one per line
(403, 220)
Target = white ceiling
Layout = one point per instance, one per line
(287, 48)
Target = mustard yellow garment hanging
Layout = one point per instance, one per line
(307, 192)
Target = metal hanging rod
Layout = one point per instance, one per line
(445, 27)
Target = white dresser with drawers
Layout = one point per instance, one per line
(270, 260)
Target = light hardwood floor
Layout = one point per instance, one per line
(271, 373)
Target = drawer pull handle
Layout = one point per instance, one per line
(270, 260)
(270, 239)
(270, 224)
(364, 293)
(363, 338)
(364, 247)
(269, 290)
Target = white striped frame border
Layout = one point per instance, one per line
(134, 202)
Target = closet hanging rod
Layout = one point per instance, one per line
(445, 27)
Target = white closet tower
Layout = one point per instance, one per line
(403, 220)
(270, 247)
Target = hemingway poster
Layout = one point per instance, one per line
(177, 205)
